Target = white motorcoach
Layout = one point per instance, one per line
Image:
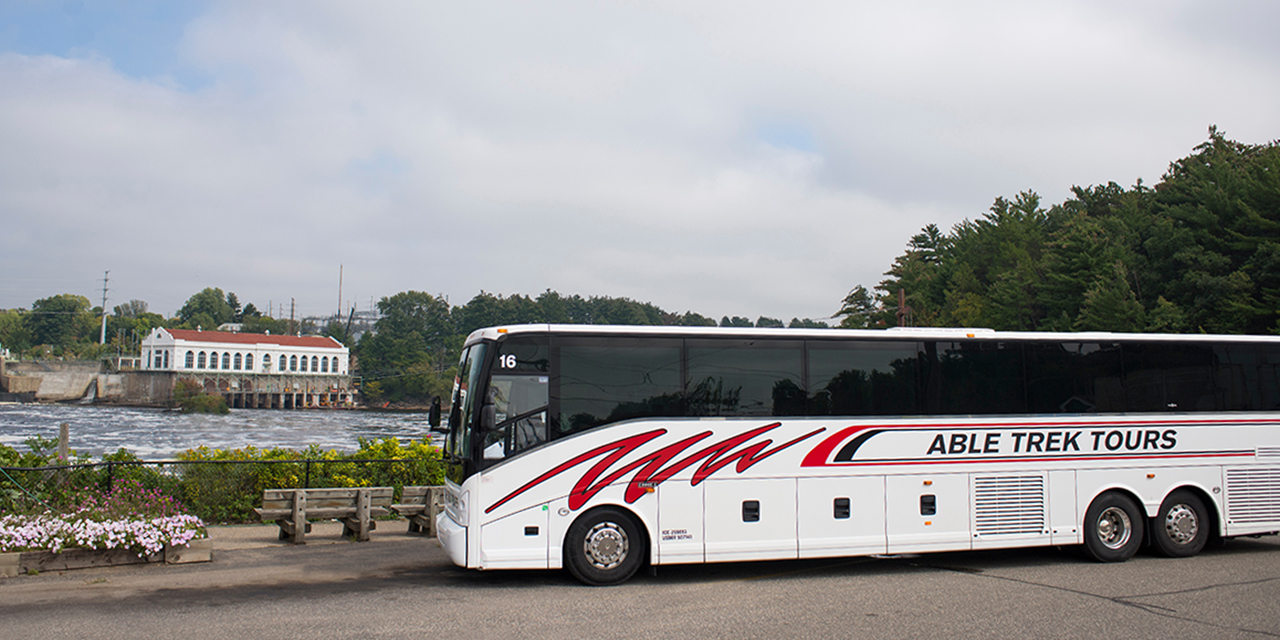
(601, 449)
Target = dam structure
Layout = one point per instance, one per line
(250, 370)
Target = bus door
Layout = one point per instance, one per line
(680, 532)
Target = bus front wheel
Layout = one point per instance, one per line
(1182, 527)
(1112, 528)
(604, 547)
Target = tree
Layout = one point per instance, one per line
(233, 302)
(206, 309)
(55, 321)
(858, 310)
(1110, 305)
(131, 309)
(807, 323)
(250, 311)
(14, 333)
(408, 352)
(1198, 252)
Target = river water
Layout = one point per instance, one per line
(155, 434)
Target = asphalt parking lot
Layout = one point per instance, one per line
(399, 585)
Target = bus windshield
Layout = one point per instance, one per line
(462, 414)
(518, 398)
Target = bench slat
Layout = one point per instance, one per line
(319, 514)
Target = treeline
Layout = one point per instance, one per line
(68, 326)
(1198, 252)
(410, 355)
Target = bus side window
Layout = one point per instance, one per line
(608, 380)
(745, 378)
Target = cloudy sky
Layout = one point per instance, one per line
(728, 158)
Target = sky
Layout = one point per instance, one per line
(730, 158)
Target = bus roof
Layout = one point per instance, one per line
(896, 333)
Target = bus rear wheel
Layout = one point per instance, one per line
(604, 547)
(1112, 528)
(1181, 529)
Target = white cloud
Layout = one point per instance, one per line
(725, 158)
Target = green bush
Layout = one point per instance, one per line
(215, 484)
(205, 404)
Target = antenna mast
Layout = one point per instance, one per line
(102, 339)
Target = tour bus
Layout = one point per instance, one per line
(605, 448)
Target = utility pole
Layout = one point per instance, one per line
(339, 292)
(293, 306)
(103, 338)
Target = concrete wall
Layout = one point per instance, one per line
(69, 381)
(144, 387)
(59, 381)
(20, 384)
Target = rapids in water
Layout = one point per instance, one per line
(156, 434)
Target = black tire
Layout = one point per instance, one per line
(1181, 529)
(604, 547)
(1113, 528)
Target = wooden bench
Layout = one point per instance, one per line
(356, 507)
(420, 505)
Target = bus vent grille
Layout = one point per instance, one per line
(1253, 495)
(1009, 505)
(1267, 452)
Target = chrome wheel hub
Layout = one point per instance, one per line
(605, 545)
(1114, 528)
(1181, 524)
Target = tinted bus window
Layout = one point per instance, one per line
(974, 377)
(863, 378)
(603, 380)
(745, 378)
(1168, 377)
(1073, 377)
(1245, 377)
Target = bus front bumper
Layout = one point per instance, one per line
(453, 537)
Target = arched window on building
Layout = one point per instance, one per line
(302, 364)
(159, 360)
(283, 362)
(293, 363)
(235, 364)
(200, 362)
(166, 358)
(226, 360)
(191, 359)
(248, 362)
(335, 365)
(324, 364)
(315, 364)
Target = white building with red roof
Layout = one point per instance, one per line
(186, 350)
(244, 367)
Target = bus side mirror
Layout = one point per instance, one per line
(488, 416)
(433, 416)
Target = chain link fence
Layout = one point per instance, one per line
(217, 491)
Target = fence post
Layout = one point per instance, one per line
(306, 484)
(111, 476)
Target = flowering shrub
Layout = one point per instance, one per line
(51, 532)
(129, 516)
